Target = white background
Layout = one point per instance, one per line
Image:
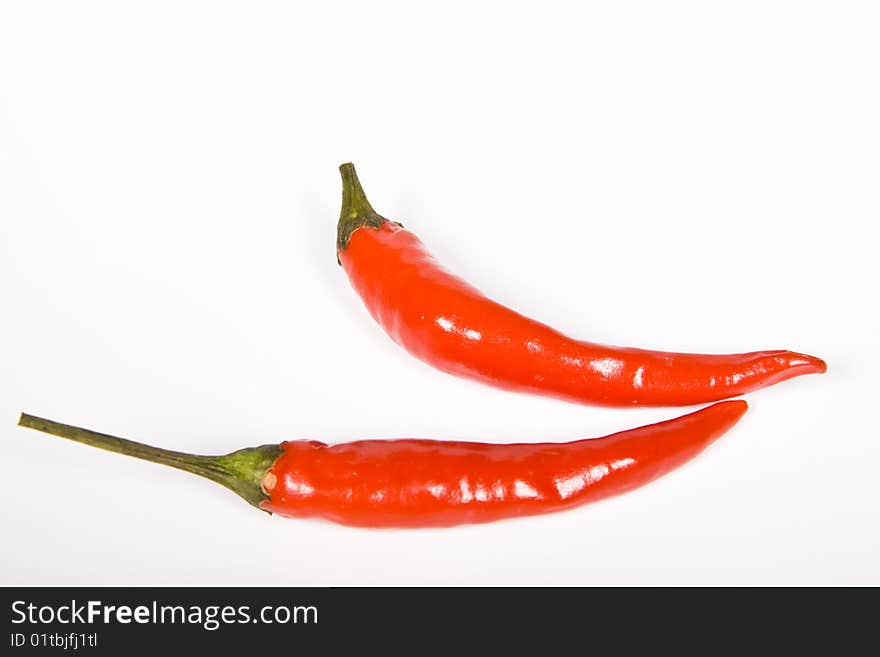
(685, 176)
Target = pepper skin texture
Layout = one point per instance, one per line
(444, 321)
(426, 483)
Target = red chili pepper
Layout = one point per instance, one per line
(429, 483)
(444, 321)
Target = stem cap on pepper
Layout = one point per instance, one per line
(241, 471)
(356, 209)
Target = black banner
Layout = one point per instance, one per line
(93, 621)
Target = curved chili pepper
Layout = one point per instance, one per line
(430, 483)
(444, 321)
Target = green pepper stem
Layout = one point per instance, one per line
(240, 471)
(354, 199)
(356, 209)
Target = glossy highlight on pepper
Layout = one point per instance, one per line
(444, 321)
(434, 483)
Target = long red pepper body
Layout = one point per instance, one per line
(444, 321)
(432, 483)
(425, 483)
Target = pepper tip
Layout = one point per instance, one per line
(813, 364)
